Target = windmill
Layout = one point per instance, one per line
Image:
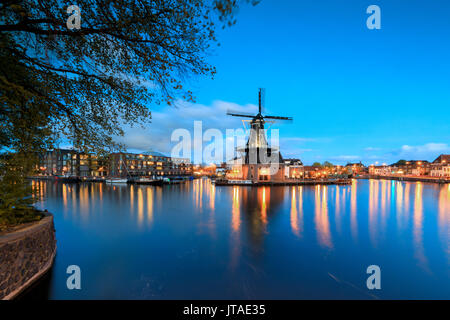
(257, 145)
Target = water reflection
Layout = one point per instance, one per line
(257, 206)
(149, 206)
(353, 221)
(444, 219)
(241, 240)
(297, 211)
(235, 224)
(235, 213)
(321, 216)
(418, 225)
(373, 211)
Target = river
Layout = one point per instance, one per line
(199, 241)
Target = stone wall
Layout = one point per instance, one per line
(26, 255)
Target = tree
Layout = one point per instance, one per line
(126, 55)
(84, 84)
(400, 163)
(317, 164)
(327, 164)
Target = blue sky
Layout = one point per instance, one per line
(355, 94)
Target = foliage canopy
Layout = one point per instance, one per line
(84, 84)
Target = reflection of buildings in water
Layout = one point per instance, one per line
(131, 198)
(373, 211)
(140, 206)
(149, 200)
(64, 196)
(197, 194)
(84, 199)
(235, 212)
(321, 217)
(399, 204)
(353, 211)
(203, 199)
(444, 218)
(402, 194)
(337, 208)
(145, 203)
(419, 251)
(406, 202)
(297, 210)
(257, 205)
(384, 192)
(235, 225)
(263, 202)
(212, 195)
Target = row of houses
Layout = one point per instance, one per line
(71, 163)
(294, 169)
(439, 168)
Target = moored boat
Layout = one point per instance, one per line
(116, 180)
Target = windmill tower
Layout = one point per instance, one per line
(257, 156)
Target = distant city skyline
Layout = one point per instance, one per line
(355, 94)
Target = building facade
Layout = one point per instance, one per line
(150, 164)
(71, 163)
(293, 169)
(383, 170)
(440, 167)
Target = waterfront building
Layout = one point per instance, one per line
(412, 167)
(312, 172)
(293, 169)
(148, 164)
(383, 170)
(71, 163)
(440, 167)
(355, 168)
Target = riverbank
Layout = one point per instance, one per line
(406, 178)
(131, 180)
(26, 254)
(283, 183)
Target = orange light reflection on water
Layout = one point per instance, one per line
(321, 216)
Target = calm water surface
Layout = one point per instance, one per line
(198, 241)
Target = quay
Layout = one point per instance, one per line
(132, 180)
(73, 179)
(283, 183)
(405, 178)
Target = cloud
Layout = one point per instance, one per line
(428, 151)
(157, 135)
(344, 158)
(297, 139)
(372, 149)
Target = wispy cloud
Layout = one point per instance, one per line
(427, 151)
(372, 149)
(157, 134)
(345, 158)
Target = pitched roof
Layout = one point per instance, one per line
(442, 158)
(154, 153)
(310, 168)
